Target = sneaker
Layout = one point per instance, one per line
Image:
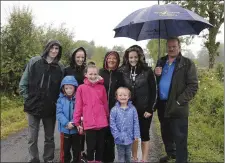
(166, 159)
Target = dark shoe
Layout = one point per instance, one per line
(166, 159)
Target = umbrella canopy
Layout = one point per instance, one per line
(161, 21)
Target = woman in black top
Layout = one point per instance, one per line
(76, 68)
(140, 79)
(113, 79)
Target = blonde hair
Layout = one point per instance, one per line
(125, 88)
(90, 65)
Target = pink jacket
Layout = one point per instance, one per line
(91, 103)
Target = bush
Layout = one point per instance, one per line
(206, 121)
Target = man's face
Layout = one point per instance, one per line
(173, 48)
(54, 51)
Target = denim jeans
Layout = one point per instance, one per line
(124, 153)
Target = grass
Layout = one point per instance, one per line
(13, 118)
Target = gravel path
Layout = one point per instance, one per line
(14, 148)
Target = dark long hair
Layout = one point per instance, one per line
(141, 63)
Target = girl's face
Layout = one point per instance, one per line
(80, 57)
(112, 61)
(69, 89)
(133, 58)
(123, 95)
(92, 74)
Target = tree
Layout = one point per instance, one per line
(88, 46)
(120, 49)
(153, 49)
(63, 35)
(99, 55)
(214, 12)
(19, 43)
(203, 58)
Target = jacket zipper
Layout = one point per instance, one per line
(110, 82)
(69, 114)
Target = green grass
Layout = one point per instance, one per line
(13, 119)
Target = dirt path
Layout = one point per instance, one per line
(14, 148)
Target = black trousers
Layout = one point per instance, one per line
(174, 133)
(71, 141)
(95, 144)
(109, 147)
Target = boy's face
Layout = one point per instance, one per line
(92, 74)
(69, 89)
(123, 95)
(54, 51)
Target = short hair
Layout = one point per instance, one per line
(125, 89)
(90, 64)
(174, 38)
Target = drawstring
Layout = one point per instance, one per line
(133, 75)
(42, 79)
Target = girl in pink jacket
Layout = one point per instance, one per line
(91, 103)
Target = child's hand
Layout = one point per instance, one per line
(80, 130)
(70, 125)
(136, 139)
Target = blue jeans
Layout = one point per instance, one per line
(124, 153)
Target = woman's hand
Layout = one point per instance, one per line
(147, 114)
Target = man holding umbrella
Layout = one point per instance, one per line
(178, 84)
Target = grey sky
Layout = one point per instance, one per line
(90, 20)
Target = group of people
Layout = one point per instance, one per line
(113, 105)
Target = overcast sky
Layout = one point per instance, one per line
(90, 20)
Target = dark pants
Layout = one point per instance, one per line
(95, 144)
(174, 133)
(109, 147)
(70, 141)
(33, 130)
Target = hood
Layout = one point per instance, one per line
(72, 56)
(48, 47)
(68, 80)
(105, 66)
(136, 48)
(87, 82)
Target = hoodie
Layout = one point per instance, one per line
(65, 106)
(91, 103)
(40, 83)
(113, 79)
(74, 69)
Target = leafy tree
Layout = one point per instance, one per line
(63, 35)
(203, 57)
(99, 55)
(88, 46)
(19, 43)
(153, 49)
(214, 12)
(120, 49)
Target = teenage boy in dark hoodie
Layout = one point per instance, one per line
(40, 87)
(113, 79)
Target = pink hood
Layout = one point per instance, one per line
(91, 103)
